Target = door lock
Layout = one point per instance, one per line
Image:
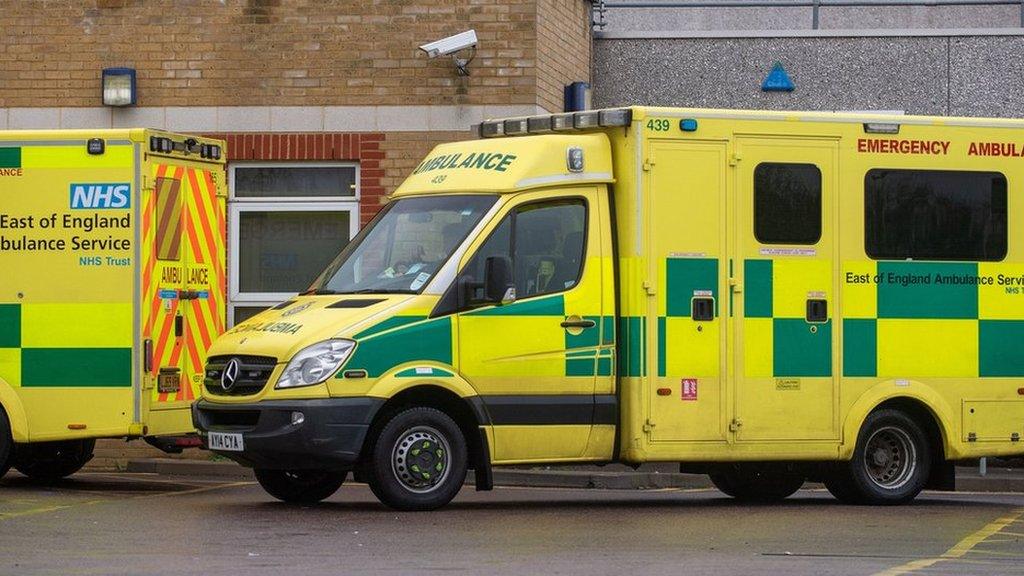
(817, 310)
(702, 309)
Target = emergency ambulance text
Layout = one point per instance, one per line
(896, 146)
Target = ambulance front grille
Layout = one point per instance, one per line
(253, 373)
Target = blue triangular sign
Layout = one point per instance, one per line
(777, 80)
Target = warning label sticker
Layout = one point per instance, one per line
(689, 388)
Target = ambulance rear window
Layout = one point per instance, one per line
(935, 215)
(787, 203)
(168, 219)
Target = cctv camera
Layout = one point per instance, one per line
(451, 44)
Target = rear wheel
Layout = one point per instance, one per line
(750, 484)
(890, 464)
(6, 444)
(300, 486)
(418, 460)
(51, 461)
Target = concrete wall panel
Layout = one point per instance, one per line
(986, 76)
(830, 73)
(801, 18)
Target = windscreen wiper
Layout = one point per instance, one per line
(319, 292)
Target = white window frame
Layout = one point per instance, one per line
(237, 205)
(233, 166)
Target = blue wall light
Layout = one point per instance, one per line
(777, 80)
(118, 86)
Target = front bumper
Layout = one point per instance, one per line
(330, 437)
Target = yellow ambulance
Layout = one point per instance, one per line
(765, 297)
(111, 289)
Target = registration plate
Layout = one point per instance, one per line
(226, 442)
(168, 382)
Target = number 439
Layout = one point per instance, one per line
(658, 124)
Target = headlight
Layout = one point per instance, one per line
(316, 363)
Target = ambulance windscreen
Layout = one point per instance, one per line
(404, 246)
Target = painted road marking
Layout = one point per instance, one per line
(960, 548)
(45, 509)
(194, 490)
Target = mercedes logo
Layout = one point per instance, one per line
(230, 374)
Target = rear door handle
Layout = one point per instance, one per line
(579, 324)
(188, 294)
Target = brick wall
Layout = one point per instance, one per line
(265, 52)
(563, 48)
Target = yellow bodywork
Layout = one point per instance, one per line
(81, 292)
(669, 226)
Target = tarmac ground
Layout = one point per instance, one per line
(147, 523)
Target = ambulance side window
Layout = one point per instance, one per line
(546, 243)
(787, 203)
(499, 244)
(935, 215)
(168, 219)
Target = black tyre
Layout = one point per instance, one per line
(417, 461)
(300, 486)
(890, 464)
(838, 484)
(51, 461)
(6, 444)
(750, 484)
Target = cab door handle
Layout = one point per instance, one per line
(584, 323)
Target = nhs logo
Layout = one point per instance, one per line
(93, 196)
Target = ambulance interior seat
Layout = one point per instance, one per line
(536, 242)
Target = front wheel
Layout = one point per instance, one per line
(418, 460)
(51, 461)
(749, 484)
(300, 486)
(890, 464)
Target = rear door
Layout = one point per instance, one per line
(183, 279)
(786, 386)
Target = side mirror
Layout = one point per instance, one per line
(498, 285)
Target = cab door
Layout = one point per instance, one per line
(785, 365)
(538, 361)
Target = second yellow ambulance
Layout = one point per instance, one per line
(767, 297)
(111, 289)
